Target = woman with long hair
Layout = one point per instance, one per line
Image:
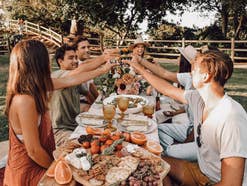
(28, 91)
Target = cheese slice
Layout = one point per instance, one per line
(116, 174)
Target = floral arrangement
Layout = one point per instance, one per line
(121, 80)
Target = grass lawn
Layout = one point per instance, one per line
(236, 88)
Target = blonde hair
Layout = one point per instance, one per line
(218, 64)
(29, 73)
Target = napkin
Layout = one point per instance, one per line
(161, 117)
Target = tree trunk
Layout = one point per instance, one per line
(224, 18)
(224, 22)
(237, 30)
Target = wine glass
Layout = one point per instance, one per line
(123, 104)
(109, 113)
(148, 110)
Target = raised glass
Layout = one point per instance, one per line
(123, 104)
(109, 113)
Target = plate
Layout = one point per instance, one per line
(135, 109)
(150, 127)
(86, 119)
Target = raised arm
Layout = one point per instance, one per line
(160, 71)
(158, 83)
(28, 119)
(78, 78)
(92, 64)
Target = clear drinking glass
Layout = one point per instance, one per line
(109, 113)
(123, 104)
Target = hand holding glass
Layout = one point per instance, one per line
(109, 113)
(123, 104)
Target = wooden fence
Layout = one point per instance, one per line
(160, 49)
(237, 49)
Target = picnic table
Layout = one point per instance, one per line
(97, 108)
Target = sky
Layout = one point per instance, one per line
(188, 19)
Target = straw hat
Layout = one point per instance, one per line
(188, 52)
(138, 41)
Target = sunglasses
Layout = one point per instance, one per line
(198, 138)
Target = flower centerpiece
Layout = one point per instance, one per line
(122, 80)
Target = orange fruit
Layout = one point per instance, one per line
(51, 170)
(86, 144)
(154, 147)
(95, 149)
(93, 131)
(63, 173)
(109, 142)
(107, 132)
(115, 137)
(126, 136)
(138, 138)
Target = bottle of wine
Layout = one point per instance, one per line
(157, 99)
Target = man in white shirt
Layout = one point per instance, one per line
(89, 89)
(219, 122)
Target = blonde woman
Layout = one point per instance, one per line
(30, 132)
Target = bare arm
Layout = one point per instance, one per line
(76, 79)
(93, 90)
(92, 64)
(159, 84)
(160, 71)
(232, 171)
(28, 118)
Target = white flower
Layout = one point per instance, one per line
(116, 76)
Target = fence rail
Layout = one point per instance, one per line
(36, 29)
(237, 49)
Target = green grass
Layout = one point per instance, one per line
(4, 64)
(236, 87)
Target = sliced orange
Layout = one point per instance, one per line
(154, 147)
(93, 131)
(63, 173)
(138, 138)
(51, 170)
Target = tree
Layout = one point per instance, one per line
(232, 14)
(121, 17)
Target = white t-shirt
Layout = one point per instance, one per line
(185, 79)
(223, 134)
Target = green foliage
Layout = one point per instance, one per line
(232, 16)
(120, 17)
(170, 31)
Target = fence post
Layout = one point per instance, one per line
(62, 42)
(39, 31)
(232, 48)
(183, 42)
(25, 23)
(50, 33)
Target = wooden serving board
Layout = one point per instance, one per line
(80, 179)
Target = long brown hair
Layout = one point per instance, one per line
(29, 73)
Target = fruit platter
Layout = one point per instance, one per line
(135, 102)
(105, 158)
